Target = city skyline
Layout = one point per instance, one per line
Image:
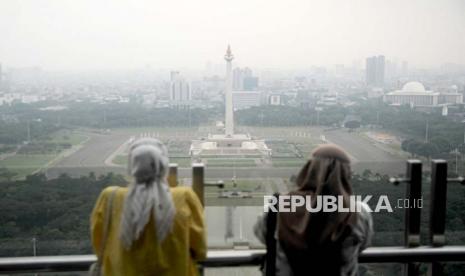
(296, 35)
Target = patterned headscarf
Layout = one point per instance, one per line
(149, 193)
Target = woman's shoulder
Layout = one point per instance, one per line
(182, 191)
(117, 190)
(185, 195)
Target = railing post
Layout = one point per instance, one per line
(437, 218)
(412, 215)
(438, 196)
(198, 180)
(198, 183)
(173, 175)
(413, 195)
(438, 200)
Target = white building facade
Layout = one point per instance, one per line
(415, 94)
(245, 99)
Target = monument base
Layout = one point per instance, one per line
(229, 145)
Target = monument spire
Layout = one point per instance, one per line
(229, 56)
(229, 114)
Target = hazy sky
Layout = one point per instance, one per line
(93, 34)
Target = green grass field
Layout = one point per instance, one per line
(288, 162)
(181, 161)
(230, 162)
(26, 160)
(66, 136)
(121, 160)
(24, 164)
(170, 132)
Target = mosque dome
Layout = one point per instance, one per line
(414, 86)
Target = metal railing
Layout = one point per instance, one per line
(412, 216)
(438, 200)
(233, 258)
(411, 254)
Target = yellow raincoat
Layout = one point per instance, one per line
(176, 255)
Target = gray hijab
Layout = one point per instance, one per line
(149, 193)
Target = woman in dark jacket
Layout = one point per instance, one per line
(320, 243)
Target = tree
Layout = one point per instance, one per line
(441, 143)
(427, 150)
(352, 124)
(64, 176)
(7, 174)
(409, 146)
(92, 176)
(461, 148)
(36, 178)
(367, 173)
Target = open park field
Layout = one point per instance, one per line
(39, 155)
(103, 151)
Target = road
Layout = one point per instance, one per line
(366, 154)
(94, 151)
(362, 149)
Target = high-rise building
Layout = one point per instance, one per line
(274, 99)
(243, 80)
(250, 83)
(180, 92)
(238, 79)
(370, 69)
(375, 70)
(404, 70)
(246, 99)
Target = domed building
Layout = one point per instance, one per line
(414, 86)
(415, 94)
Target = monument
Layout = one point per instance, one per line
(229, 143)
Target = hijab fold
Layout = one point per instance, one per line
(149, 193)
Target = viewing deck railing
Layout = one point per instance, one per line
(411, 254)
(234, 258)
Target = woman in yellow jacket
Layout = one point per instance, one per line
(152, 229)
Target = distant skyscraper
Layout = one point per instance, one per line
(274, 99)
(404, 69)
(391, 71)
(250, 83)
(380, 70)
(375, 69)
(180, 92)
(243, 79)
(370, 70)
(246, 99)
(238, 79)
